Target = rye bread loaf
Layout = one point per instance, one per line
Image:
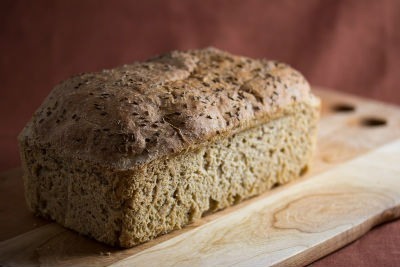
(127, 154)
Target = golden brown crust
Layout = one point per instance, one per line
(128, 116)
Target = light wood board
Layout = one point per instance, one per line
(354, 185)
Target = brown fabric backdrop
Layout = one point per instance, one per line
(347, 45)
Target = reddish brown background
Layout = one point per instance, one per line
(352, 46)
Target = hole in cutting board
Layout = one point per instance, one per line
(343, 108)
(373, 122)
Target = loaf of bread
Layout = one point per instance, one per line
(127, 154)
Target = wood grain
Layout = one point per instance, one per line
(345, 194)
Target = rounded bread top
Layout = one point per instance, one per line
(128, 116)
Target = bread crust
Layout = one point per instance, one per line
(126, 117)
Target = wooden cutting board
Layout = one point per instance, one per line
(354, 185)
